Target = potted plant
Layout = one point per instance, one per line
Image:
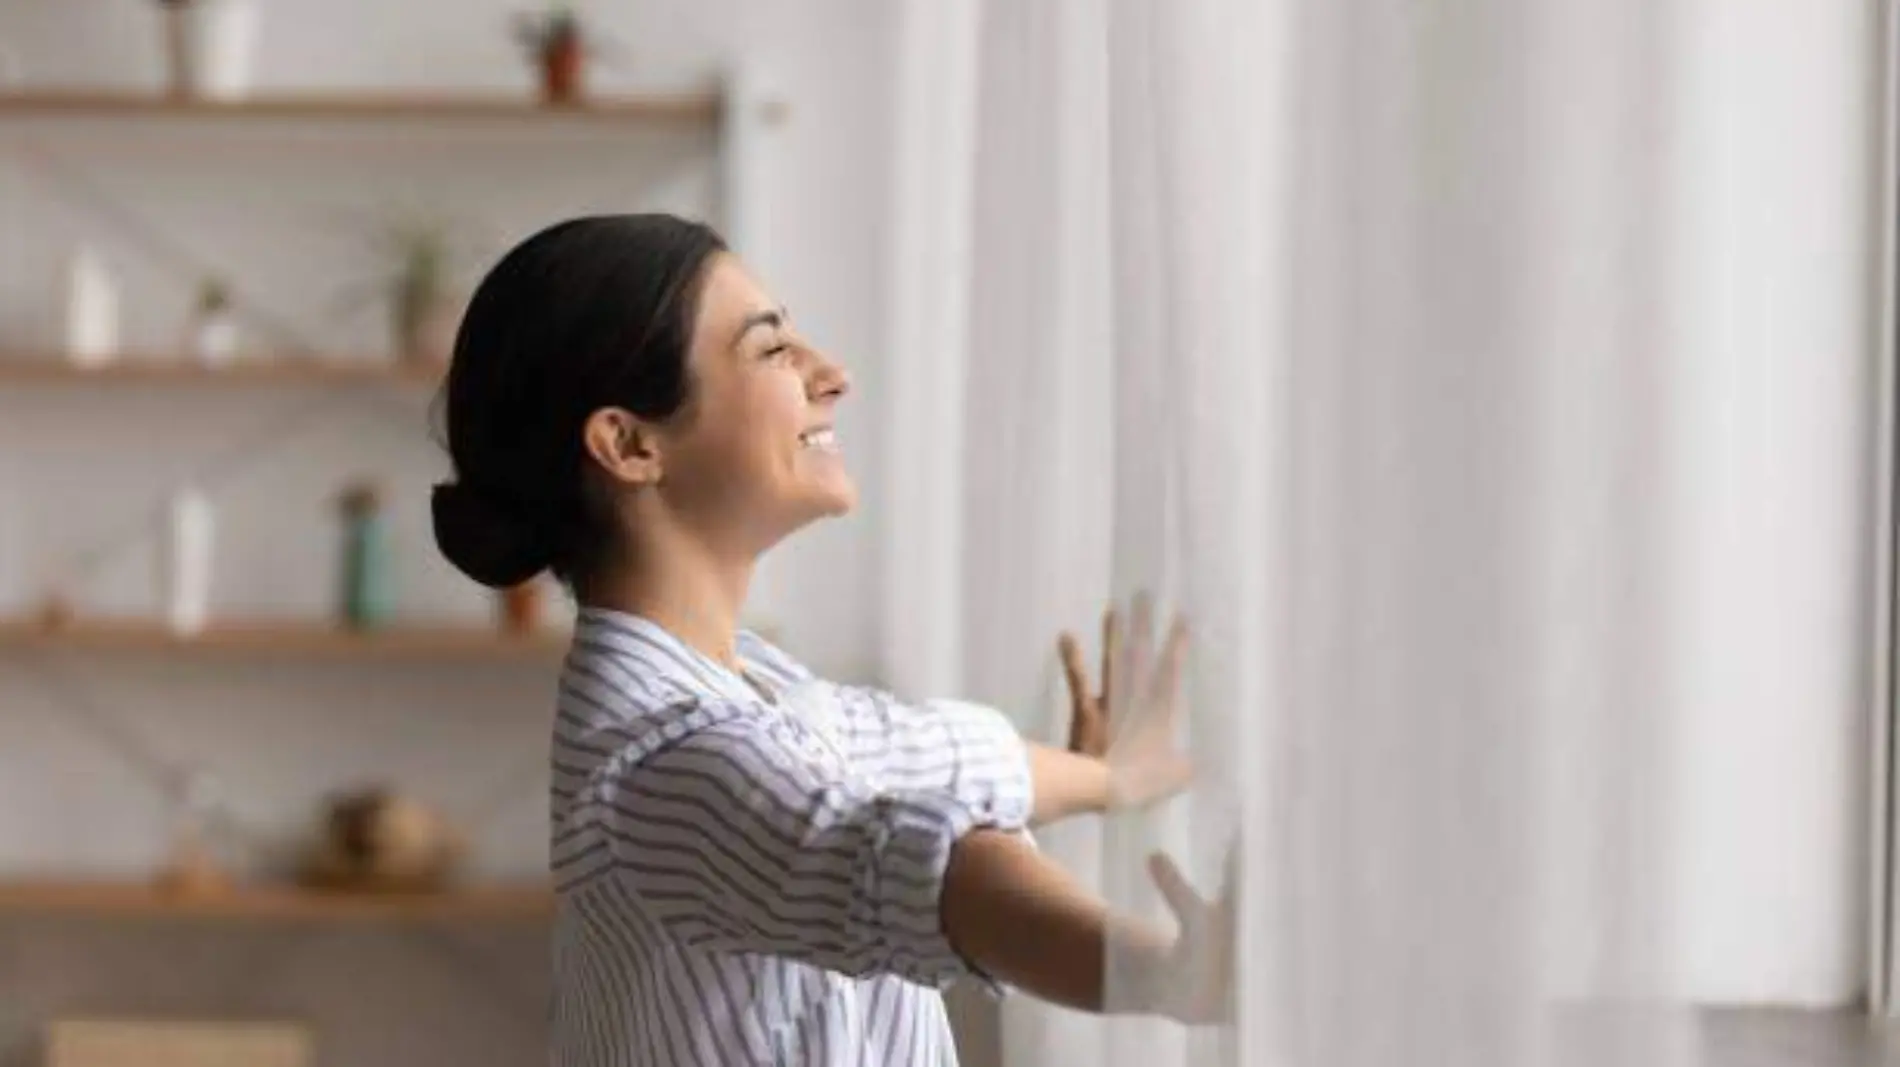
(422, 318)
(418, 262)
(559, 46)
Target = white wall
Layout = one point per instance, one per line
(264, 202)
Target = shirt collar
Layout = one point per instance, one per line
(658, 650)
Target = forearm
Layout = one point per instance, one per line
(1065, 784)
(1023, 920)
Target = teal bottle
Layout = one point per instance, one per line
(366, 596)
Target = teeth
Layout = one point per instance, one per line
(818, 439)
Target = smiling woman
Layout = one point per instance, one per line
(754, 865)
(577, 373)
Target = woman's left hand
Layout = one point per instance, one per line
(1194, 983)
(1130, 724)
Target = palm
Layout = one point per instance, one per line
(1130, 722)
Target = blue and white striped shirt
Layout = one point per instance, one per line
(749, 864)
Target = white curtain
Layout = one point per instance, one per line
(1494, 406)
(1000, 390)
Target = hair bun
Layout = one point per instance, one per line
(484, 539)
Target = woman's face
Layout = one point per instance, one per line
(754, 455)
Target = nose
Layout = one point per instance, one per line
(825, 380)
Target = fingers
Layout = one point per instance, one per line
(1125, 652)
(1166, 684)
(1141, 635)
(1087, 731)
(1180, 896)
(1072, 669)
(1131, 678)
(1201, 977)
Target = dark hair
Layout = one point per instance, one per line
(588, 313)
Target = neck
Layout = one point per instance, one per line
(681, 585)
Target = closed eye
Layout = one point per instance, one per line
(774, 319)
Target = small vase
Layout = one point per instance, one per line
(562, 65)
(521, 607)
(365, 592)
(192, 867)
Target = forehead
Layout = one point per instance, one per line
(727, 295)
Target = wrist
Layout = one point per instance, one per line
(1100, 786)
(1068, 783)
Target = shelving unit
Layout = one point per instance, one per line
(284, 640)
(101, 681)
(690, 108)
(274, 904)
(42, 370)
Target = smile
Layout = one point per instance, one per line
(820, 438)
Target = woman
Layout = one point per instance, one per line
(753, 865)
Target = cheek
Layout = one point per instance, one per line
(749, 441)
(774, 412)
(754, 439)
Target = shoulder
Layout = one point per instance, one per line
(733, 759)
(628, 689)
(734, 743)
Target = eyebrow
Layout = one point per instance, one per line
(774, 318)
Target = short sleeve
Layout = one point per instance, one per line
(969, 750)
(744, 838)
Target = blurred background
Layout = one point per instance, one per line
(1504, 386)
(264, 756)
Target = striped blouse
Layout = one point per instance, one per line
(749, 863)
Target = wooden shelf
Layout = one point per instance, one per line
(138, 371)
(285, 640)
(690, 108)
(276, 904)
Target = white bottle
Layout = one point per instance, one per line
(188, 563)
(92, 310)
(226, 40)
(214, 338)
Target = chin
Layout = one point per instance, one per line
(839, 502)
(831, 503)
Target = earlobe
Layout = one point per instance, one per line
(625, 447)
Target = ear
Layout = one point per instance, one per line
(626, 447)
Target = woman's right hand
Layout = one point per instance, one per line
(1130, 723)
